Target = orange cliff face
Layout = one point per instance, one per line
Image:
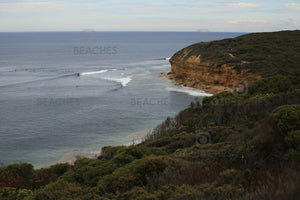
(193, 72)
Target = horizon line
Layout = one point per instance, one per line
(158, 31)
(91, 30)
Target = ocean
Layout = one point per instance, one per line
(63, 92)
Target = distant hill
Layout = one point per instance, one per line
(264, 53)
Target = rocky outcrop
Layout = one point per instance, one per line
(191, 71)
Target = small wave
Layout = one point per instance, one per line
(122, 81)
(187, 90)
(37, 80)
(162, 58)
(92, 73)
(157, 61)
(134, 141)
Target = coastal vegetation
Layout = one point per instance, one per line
(268, 54)
(229, 146)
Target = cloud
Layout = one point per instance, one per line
(245, 5)
(246, 21)
(31, 3)
(215, 15)
(29, 6)
(293, 6)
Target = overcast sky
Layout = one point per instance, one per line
(149, 15)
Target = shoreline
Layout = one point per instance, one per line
(70, 157)
(208, 88)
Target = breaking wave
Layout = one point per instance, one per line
(123, 81)
(187, 90)
(92, 73)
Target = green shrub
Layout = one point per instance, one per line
(13, 194)
(219, 99)
(47, 175)
(293, 138)
(123, 178)
(128, 154)
(139, 152)
(123, 158)
(138, 173)
(108, 152)
(88, 171)
(17, 175)
(154, 166)
(275, 84)
(287, 118)
(60, 169)
(62, 190)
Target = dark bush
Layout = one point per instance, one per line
(17, 176)
(287, 118)
(269, 85)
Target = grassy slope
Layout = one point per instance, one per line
(267, 53)
(252, 151)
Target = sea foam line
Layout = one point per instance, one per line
(122, 81)
(95, 72)
(187, 90)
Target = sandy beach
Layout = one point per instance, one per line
(70, 157)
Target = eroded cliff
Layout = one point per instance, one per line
(206, 75)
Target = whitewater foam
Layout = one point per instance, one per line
(187, 90)
(122, 81)
(92, 73)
